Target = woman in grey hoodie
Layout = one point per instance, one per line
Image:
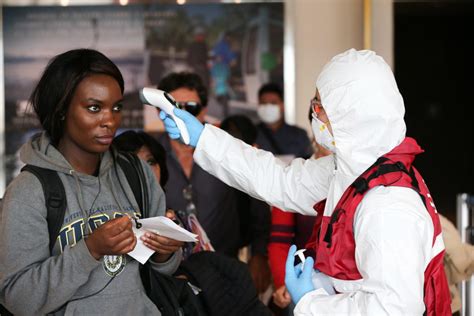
(78, 103)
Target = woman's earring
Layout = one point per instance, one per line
(63, 117)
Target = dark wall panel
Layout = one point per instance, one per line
(434, 68)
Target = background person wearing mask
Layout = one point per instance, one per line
(274, 134)
(287, 142)
(382, 250)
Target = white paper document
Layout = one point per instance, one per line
(160, 225)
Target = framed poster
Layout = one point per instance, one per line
(234, 48)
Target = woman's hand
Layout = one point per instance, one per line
(114, 237)
(281, 297)
(163, 246)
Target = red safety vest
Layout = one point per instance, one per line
(333, 236)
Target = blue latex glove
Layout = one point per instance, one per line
(192, 124)
(298, 282)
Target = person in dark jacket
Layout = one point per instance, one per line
(194, 190)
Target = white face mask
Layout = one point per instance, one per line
(322, 135)
(269, 113)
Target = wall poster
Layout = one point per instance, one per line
(234, 48)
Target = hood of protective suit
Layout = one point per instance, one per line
(361, 99)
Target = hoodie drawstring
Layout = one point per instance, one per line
(81, 200)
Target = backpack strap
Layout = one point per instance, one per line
(133, 170)
(132, 167)
(55, 199)
(55, 195)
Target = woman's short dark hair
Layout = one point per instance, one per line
(241, 127)
(57, 85)
(190, 80)
(132, 141)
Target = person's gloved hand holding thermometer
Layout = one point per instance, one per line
(178, 123)
(298, 278)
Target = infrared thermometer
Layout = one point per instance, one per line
(165, 102)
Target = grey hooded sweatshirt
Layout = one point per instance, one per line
(71, 281)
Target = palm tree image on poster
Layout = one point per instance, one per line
(234, 48)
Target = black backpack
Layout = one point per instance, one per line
(226, 283)
(172, 296)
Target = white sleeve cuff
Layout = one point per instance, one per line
(303, 307)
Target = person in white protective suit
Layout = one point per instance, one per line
(396, 234)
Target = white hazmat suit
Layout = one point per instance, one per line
(392, 229)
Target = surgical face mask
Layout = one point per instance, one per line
(322, 135)
(269, 113)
